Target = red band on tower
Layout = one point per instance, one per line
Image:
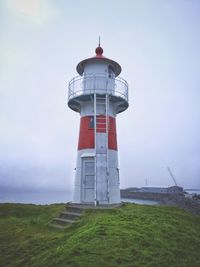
(86, 134)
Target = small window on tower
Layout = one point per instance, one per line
(110, 72)
(91, 123)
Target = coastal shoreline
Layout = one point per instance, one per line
(179, 200)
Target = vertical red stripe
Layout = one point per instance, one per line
(112, 134)
(86, 134)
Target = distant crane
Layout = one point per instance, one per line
(171, 174)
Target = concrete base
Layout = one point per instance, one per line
(92, 206)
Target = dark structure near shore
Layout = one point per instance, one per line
(152, 193)
(160, 190)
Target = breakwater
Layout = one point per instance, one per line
(172, 199)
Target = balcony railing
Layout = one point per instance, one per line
(99, 84)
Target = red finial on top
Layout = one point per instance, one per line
(99, 49)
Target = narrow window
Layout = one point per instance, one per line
(91, 123)
(111, 72)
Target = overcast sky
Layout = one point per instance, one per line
(156, 42)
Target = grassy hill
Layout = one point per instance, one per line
(133, 235)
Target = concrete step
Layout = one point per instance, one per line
(62, 221)
(57, 226)
(70, 215)
(74, 209)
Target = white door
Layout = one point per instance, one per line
(88, 176)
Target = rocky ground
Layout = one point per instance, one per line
(184, 201)
(188, 204)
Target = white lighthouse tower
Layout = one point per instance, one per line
(98, 94)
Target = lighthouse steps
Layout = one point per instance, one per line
(74, 212)
(67, 217)
(62, 221)
(78, 209)
(70, 215)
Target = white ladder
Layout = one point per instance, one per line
(101, 125)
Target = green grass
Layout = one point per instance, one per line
(133, 235)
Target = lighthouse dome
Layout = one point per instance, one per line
(99, 59)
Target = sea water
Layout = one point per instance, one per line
(50, 197)
(193, 191)
(140, 201)
(53, 197)
(36, 197)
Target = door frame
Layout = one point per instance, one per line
(83, 160)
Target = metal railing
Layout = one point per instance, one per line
(99, 84)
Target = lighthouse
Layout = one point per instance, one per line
(98, 94)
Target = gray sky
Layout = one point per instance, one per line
(157, 43)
